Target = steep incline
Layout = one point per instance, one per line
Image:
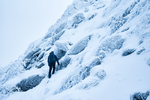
(104, 51)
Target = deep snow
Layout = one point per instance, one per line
(104, 54)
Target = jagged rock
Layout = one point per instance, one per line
(30, 82)
(41, 55)
(128, 10)
(93, 81)
(60, 28)
(78, 76)
(79, 46)
(139, 96)
(140, 51)
(148, 61)
(48, 48)
(128, 52)
(32, 53)
(94, 62)
(56, 37)
(116, 23)
(63, 63)
(92, 16)
(101, 55)
(78, 19)
(125, 29)
(110, 44)
(40, 66)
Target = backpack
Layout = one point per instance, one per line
(51, 57)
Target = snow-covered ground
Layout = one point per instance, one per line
(104, 52)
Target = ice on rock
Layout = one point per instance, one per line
(61, 45)
(110, 44)
(79, 46)
(63, 63)
(78, 19)
(79, 74)
(30, 82)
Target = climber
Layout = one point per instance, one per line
(51, 63)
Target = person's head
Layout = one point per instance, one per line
(52, 53)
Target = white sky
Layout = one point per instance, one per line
(23, 21)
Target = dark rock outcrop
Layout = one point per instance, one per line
(40, 65)
(140, 96)
(128, 52)
(29, 83)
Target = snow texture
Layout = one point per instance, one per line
(103, 50)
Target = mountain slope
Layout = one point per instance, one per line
(103, 49)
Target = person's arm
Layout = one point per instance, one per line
(57, 60)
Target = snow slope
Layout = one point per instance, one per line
(104, 52)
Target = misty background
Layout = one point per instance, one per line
(24, 21)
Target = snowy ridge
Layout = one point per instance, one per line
(104, 53)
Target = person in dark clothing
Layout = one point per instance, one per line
(52, 58)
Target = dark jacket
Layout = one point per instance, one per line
(52, 58)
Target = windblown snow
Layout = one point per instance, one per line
(103, 48)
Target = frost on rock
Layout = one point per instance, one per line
(32, 57)
(40, 65)
(128, 52)
(63, 63)
(59, 53)
(110, 44)
(61, 45)
(11, 71)
(79, 46)
(56, 37)
(92, 16)
(139, 96)
(91, 81)
(30, 82)
(78, 19)
(140, 51)
(116, 23)
(88, 85)
(148, 61)
(60, 28)
(128, 10)
(79, 74)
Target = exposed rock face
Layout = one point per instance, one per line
(78, 19)
(30, 82)
(140, 96)
(109, 45)
(128, 52)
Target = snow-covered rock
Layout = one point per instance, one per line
(30, 82)
(92, 41)
(79, 46)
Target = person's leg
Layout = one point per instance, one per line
(50, 68)
(53, 68)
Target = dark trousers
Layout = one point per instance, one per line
(51, 66)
